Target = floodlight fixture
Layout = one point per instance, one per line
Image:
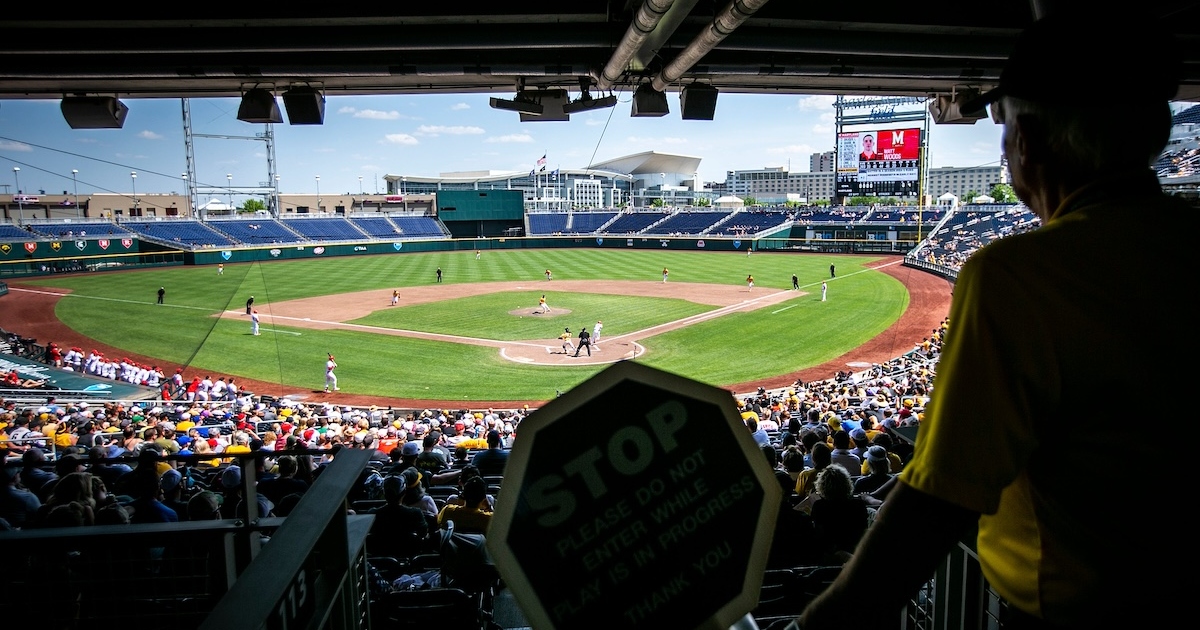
(94, 112)
(585, 102)
(259, 106)
(649, 102)
(519, 104)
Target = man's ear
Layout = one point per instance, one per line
(1031, 140)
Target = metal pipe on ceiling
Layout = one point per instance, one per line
(644, 22)
(732, 17)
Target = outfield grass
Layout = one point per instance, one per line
(118, 309)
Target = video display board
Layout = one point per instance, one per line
(882, 163)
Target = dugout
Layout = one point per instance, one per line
(480, 213)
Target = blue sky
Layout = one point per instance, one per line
(370, 136)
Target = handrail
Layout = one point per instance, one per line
(289, 579)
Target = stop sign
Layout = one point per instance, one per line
(636, 500)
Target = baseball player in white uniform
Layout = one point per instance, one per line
(330, 377)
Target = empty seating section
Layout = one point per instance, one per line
(256, 231)
(634, 222)
(12, 231)
(689, 222)
(377, 227)
(190, 233)
(753, 222)
(78, 230)
(418, 226)
(547, 222)
(325, 229)
(588, 222)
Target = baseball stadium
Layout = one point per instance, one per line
(543, 399)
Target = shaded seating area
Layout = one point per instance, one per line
(634, 222)
(183, 232)
(418, 226)
(752, 222)
(588, 222)
(689, 222)
(547, 222)
(256, 231)
(325, 229)
(376, 227)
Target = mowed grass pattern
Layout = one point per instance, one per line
(118, 309)
(490, 316)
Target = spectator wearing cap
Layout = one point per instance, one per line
(166, 440)
(878, 471)
(492, 461)
(285, 481)
(895, 463)
(415, 496)
(1036, 327)
(473, 515)
(145, 486)
(204, 506)
(860, 441)
(233, 504)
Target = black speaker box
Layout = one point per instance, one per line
(698, 101)
(305, 106)
(94, 112)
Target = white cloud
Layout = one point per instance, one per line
(399, 138)
(451, 130)
(592, 122)
(346, 109)
(512, 137)
(12, 145)
(822, 129)
(149, 135)
(374, 114)
(816, 101)
(828, 117)
(459, 107)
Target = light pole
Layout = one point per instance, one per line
(362, 207)
(20, 197)
(75, 180)
(318, 193)
(278, 203)
(229, 187)
(403, 195)
(187, 192)
(133, 178)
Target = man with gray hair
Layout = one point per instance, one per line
(1040, 322)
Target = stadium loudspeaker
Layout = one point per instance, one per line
(649, 103)
(949, 110)
(259, 106)
(304, 105)
(698, 101)
(94, 112)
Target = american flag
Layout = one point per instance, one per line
(542, 160)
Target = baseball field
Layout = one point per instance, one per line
(476, 337)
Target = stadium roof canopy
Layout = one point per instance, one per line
(870, 47)
(650, 162)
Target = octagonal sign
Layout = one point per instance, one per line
(636, 500)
